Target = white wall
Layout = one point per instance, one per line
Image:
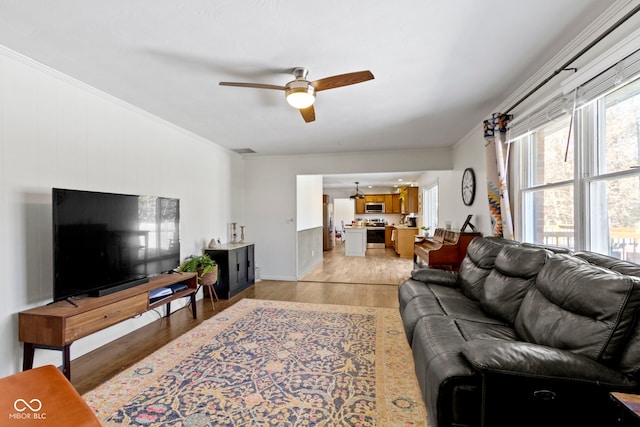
(271, 188)
(309, 202)
(469, 153)
(309, 222)
(57, 132)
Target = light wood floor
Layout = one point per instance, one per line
(364, 281)
(379, 266)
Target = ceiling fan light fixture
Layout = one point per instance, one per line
(300, 94)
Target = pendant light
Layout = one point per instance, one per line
(357, 194)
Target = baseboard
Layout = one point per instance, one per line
(281, 278)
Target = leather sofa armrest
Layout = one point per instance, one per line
(525, 359)
(436, 276)
(527, 384)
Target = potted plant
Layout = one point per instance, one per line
(204, 266)
(425, 230)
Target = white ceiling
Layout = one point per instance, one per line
(440, 66)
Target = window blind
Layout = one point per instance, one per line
(624, 71)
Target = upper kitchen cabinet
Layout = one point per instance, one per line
(395, 203)
(388, 203)
(392, 204)
(409, 200)
(374, 198)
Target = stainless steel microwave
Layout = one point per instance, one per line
(372, 207)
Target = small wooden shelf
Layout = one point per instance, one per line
(56, 326)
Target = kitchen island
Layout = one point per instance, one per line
(403, 240)
(355, 240)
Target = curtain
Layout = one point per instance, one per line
(497, 156)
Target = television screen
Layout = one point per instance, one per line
(104, 241)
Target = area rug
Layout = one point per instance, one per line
(272, 363)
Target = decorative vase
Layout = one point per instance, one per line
(242, 234)
(234, 235)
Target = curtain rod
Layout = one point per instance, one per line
(565, 66)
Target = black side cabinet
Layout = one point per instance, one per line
(236, 268)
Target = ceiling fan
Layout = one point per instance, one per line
(357, 194)
(301, 93)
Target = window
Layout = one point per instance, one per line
(588, 199)
(430, 207)
(547, 193)
(613, 183)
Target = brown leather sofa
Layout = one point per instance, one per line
(523, 336)
(42, 397)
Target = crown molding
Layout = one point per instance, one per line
(586, 36)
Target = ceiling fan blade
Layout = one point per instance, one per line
(342, 80)
(253, 85)
(308, 114)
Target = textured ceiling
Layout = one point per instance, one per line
(440, 67)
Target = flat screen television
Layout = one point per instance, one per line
(104, 242)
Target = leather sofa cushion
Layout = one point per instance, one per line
(472, 331)
(515, 271)
(621, 266)
(630, 360)
(409, 289)
(416, 309)
(579, 307)
(477, 264)
(554, 249)
(435, 276)
(435, 300)
(466, 309)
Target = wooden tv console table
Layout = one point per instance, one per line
(56, 326)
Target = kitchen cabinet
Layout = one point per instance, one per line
(405, 239)
(409, 200)
(395, 203)
(374, 198)
(236, 268)
(388, 203)
(388, 243)
(391, 202)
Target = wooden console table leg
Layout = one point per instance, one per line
(29, 351)
(193, 305)
(167, 309)
(27, 358)
(66, 361)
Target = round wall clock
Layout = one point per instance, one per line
(468, 186)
